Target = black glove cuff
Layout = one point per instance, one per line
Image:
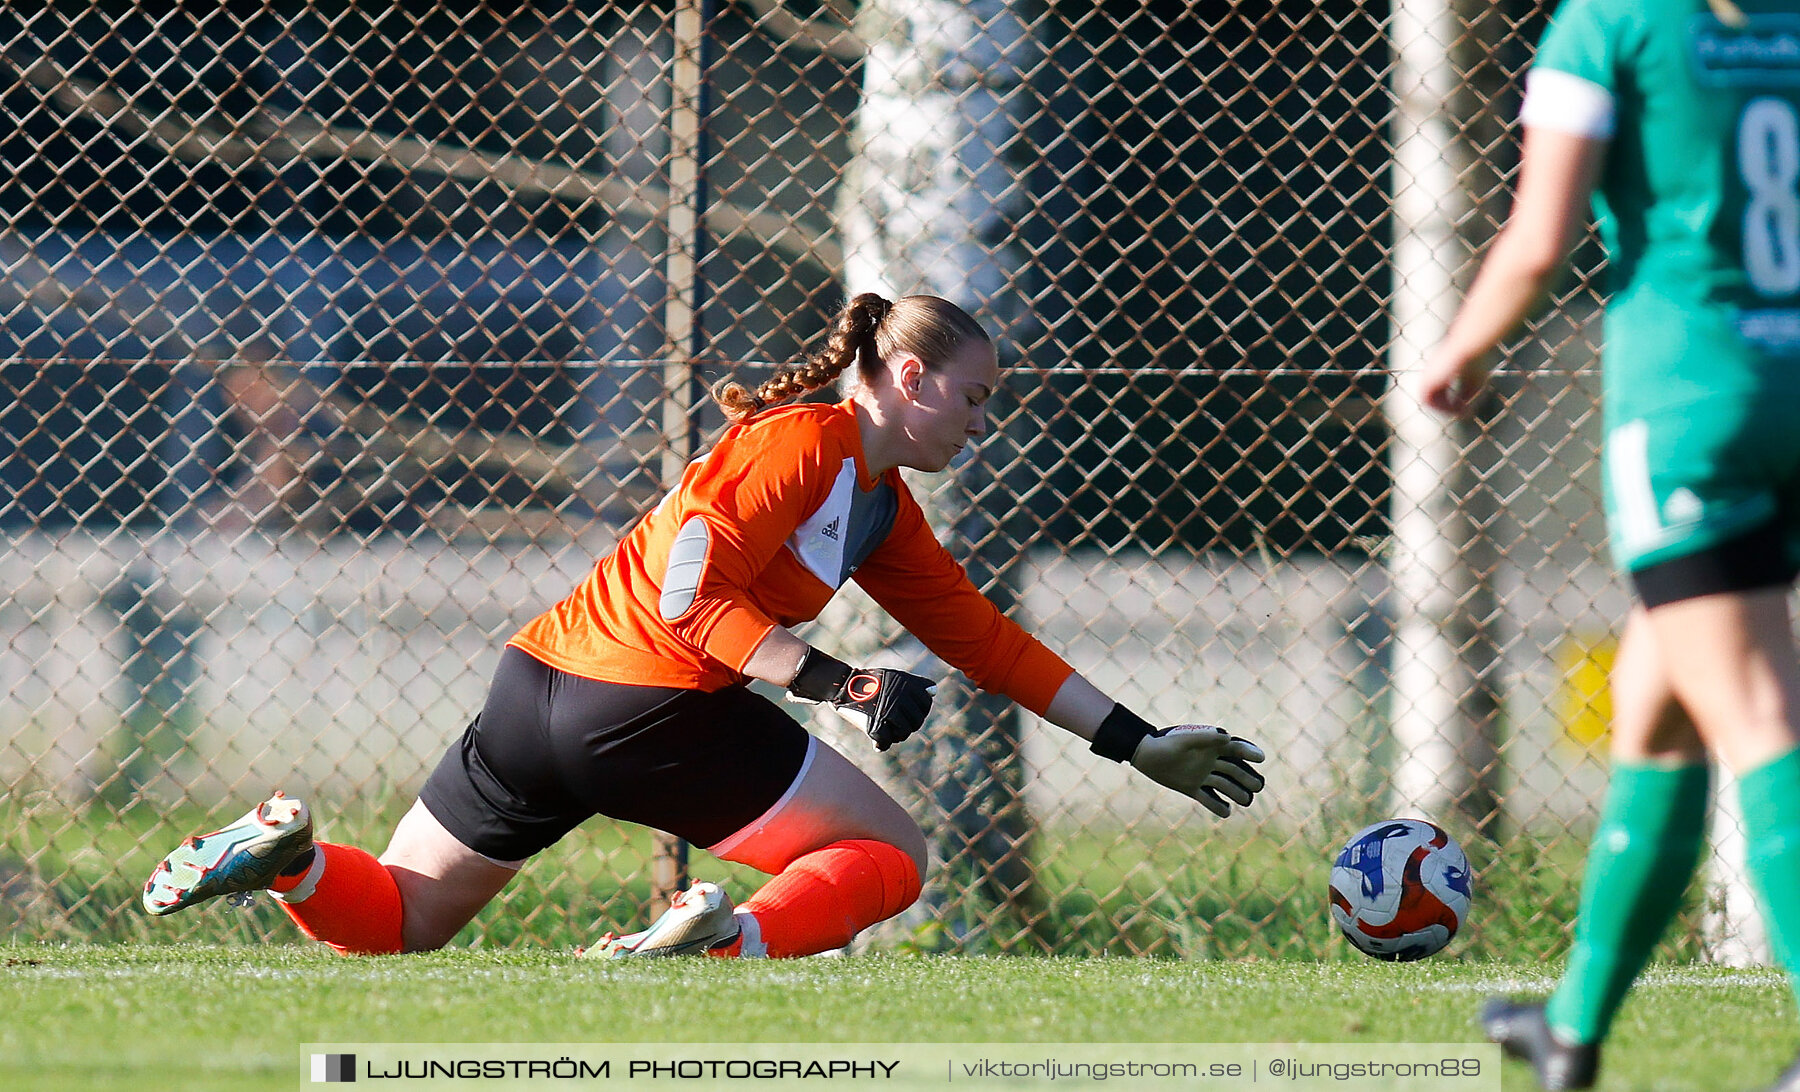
(1120, 733)
(820, 677)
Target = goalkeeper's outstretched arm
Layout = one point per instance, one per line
(1200, 761)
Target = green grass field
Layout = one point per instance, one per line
(234, 1017)
(1217, 894)
(100, 996)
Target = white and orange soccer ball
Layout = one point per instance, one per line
(1400, 889)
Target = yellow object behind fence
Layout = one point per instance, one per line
(1582, 703)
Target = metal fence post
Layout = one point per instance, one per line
(1446, 704)
(684, 325)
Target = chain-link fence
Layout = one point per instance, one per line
(339, 340)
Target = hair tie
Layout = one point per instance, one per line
(757, 405)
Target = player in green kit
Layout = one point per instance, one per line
(1681, 120)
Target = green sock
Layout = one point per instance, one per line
(1643, 854)
(1770, 799)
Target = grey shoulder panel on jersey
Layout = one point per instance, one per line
(871, 518)
(687, 565)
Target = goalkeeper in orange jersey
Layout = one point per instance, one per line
(629, 698)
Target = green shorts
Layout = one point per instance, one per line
(1686, 479)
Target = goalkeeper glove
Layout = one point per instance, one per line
(1197, 760)
(886, 703)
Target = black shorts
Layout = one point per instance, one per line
(551, 749)
(1750, 562)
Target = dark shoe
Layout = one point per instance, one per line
(1789, 1081)
(1519, 1028)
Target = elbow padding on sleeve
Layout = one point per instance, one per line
(685, 570)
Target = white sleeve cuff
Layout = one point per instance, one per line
(1569, 104)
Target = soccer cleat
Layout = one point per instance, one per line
(698, 919)
(245, 856)
(608, 941)
(1519, 1028)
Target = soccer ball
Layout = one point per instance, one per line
(1399, 889)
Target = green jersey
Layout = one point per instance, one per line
(1699, 196)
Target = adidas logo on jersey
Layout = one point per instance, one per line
(830, 530)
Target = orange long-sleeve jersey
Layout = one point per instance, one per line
(761, 532)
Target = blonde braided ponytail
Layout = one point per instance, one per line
(852, 339)
(865, 333)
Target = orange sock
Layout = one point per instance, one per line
(354, 904)
(823, 899)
